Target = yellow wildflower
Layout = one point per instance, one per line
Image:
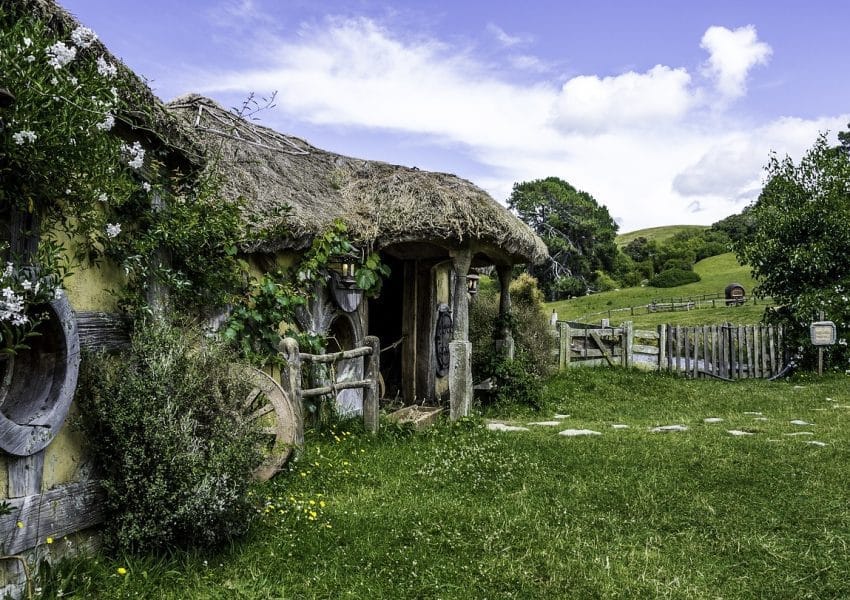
(49, 540)
(20, 524)
(121, 571)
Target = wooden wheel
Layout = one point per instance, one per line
(274, 415)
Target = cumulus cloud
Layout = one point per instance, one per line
(732, 54)
(588, 102)
(645, 144)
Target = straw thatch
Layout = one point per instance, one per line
(296, 189)
(145, 116)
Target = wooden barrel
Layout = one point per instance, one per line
(38, 384)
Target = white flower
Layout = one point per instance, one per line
(60, 55)
(10, 268)
(27, 42)
(112, 230)
(83, 37)
(106, 69)
(146, 186)
(54, 81)
(103, 197)
(57, 294)
(30, 58)
(26, 284)
(24, 136)
(73, 80)
(107, 123)
(137, 154)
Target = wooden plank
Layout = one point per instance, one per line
(595, 336)
(705, 361)
(426, 322)
(56, 513)
(678, 351)
(740, 352)
(723, 351)
(336, 356)
(332, 389)
(290, 381)
(102, 332)
(645, 334)
(371, 393)
(628, 336)
(564, 348)
(696, 344)
(25, 474)
(774, 369)
(408, 332)
(662, 347)
(644, 349)
(687, 333)
(765, 362)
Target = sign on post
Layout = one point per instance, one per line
(822, 333)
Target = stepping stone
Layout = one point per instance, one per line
(796, 433)
(738, 432)
(817, 443)
(503, 427)
(800, 422)
(752, 412)
(666, 428)
(546, 423)
(561, 416)
(760, 418)
(619, 426)
(712, 420)
(578, 432)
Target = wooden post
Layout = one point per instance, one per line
(504, 336)
(25, 474)
(370, 394)
(460, 318)
(460, 379)
(291, 383)
(628, 343)
(678, 352)
(409, 344)
(563, 346)
(662, 346)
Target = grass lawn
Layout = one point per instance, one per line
(659, 234)
(462, 512)
(716, 272)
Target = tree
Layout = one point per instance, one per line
(579, 233)
(799, 249)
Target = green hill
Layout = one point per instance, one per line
(659, 234)
(716, 272)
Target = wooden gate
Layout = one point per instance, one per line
(291, 375)
(592, 345)
(723, 351)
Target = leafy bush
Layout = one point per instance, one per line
(673, 277)
(517, 381)
(170, 443)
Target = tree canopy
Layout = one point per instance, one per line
(578, 231)
(799, 249)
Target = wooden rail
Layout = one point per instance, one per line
(721, 351)
(292, 382)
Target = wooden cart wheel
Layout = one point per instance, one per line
(272, 411)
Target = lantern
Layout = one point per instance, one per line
(472, 284)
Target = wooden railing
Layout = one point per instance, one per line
(720, 351)
(291, 375)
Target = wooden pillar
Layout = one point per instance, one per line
(460, 350)
(426, 320)
(157, 292)
(504, 336)
(370, 394)
(24, 233)
(460, 318)
(290, 380)
(409, 320)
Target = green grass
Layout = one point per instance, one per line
(716, 273)
(659, 234)
(460, 512)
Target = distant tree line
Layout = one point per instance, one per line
(581, 237)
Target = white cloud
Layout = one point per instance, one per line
(645, 144)
(732, 54)
(661, 95)
(504, 38)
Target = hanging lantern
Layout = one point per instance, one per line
(343, 283)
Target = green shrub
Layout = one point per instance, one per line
(517, 381)
(604, 282)
(673, 277)
(169, 441)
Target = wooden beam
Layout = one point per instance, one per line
(408, 332)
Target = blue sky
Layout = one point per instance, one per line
(665, 111)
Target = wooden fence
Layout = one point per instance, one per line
(291, 375)
(674, 304)
(721, 351)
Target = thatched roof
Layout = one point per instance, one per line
(146, 116)
(382, 204)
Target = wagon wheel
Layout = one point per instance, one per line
(271, 410)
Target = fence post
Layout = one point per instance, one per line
(564, 345)
(662, 346)
(460, 379)
(628, 343)
(290, 379)
(370, 394)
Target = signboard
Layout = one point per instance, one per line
(822, 333)
(442, 337)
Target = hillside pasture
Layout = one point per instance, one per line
(658, 234)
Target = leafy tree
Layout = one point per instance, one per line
(641, 249)
(737, 227)
(578, 231)
(799, 250)
(844, 140)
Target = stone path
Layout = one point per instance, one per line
(558, 419)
